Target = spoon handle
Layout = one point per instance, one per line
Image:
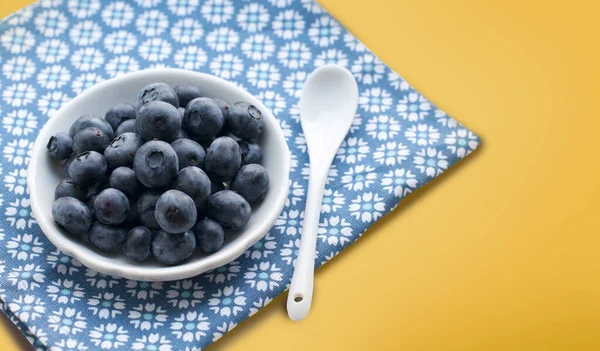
(301, 289)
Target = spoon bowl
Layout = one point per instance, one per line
(327, 106)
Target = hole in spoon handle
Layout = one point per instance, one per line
(298, 305)
(299, 299)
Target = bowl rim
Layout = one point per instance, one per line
(105, 264)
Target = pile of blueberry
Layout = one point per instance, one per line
(163, 177)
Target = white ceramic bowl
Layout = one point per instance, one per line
(44, 174)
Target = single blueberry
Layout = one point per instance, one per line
(68, 188)
(245, 121)
(194, 182)
(124, 179)
(71, 214)
(171, 249)
(87, 168)
(111, 206)
(60, 146)
(157, 92)
(107, 238)
(119, 114)
(88, 121)
(90, 139)
(187, 93)
(158, 120)
(228, 208)
(223, 159)
(209, 235)
(175, 212)
(203, 118)
(251, 153)
(137, 243)
(189, 153)
(128, 126)
(121, 150)
(155, 164)
(252, 182)
(146, 205)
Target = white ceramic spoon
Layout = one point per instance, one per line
(327, 106)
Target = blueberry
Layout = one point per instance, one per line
(215, 187)
(67, 164)
(124, 179)
(171, 249)
(111, 206)
(252, 182)
(229, 209)
(155, 164)
(187, 93)
(90, 139)
(251, 153)
(119, 114)
(245, 121)
(107, 238)
(175, 212)
(71, 214)
(158, 120)
(87, 168)
(121, 150)
(146, 205)
(137, 243)
(157, 92)
(91, 121)
(223, 159)
(68, 188)
(189, 153)
(128, 126)
(209, 235)
(194, 182)
(203, 118)
(60, 146)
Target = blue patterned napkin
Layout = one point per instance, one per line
(51, 51)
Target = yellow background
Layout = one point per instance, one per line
(503, 251)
